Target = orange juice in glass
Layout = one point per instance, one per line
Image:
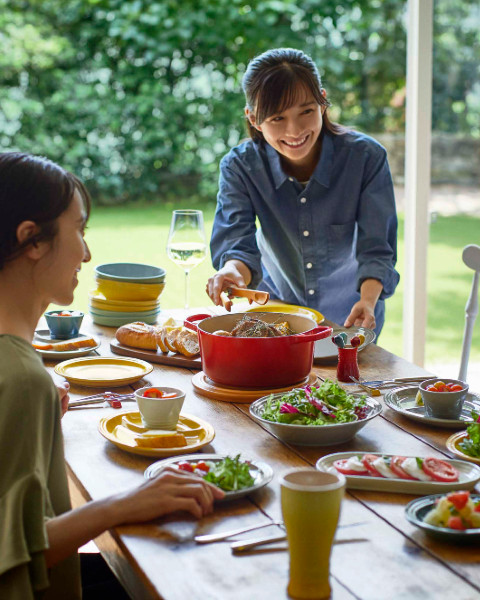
(311, 508)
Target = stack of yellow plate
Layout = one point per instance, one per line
(126, 292)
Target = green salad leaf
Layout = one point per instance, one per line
(326, 404)
(230, 474)
(471, 444)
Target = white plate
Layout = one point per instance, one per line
(469, 475)
(260, 471)
(326, 349)
(57, 355)
(402, 401)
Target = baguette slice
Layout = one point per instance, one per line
(170, 337)
(187, 343)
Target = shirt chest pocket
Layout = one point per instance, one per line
(341, 241)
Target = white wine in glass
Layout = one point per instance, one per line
(186, 245)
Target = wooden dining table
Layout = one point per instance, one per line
(378, 554)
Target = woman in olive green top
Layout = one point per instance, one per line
(43, 211)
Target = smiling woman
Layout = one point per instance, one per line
(323, 196)
(43, 210)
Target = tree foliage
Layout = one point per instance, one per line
(142, 97)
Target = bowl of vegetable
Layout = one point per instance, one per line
(466, 444)
(160, 406)
(454, 517)
(322, 415)
(63, 324)
(234, 476)
(443, 398)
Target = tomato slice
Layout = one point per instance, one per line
(152, 393)
(454, 387)
(396, 466)
(440, 470)
(367, 460)
(341, 468)
(458, 499)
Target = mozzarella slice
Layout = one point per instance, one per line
(355, 464)
(411, 467)
(383, 468)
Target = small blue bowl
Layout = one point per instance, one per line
(63, 327)
(131, 272)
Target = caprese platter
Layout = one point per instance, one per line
(401, 474)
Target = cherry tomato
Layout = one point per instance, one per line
(440, 385)
(440, 470)
(455, 523)
(458, 499)
(340, 466)
(396, 466)
(367, 461)
(65, 313)
(186, 466)
(455, 387)
(202, 465)
(432, 388)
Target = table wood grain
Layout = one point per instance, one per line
(386, 557)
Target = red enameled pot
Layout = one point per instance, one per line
(261, 362)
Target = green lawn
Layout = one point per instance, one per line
(138, 233)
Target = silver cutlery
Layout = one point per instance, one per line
(100, 398)
(217, 537)
(372, 391)
(245, 546)
(397, 382)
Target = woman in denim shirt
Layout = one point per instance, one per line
(322, 195)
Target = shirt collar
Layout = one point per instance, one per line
(322, 171)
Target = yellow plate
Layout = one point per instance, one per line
(452, 445)
(121, 305)
(198, 433)
(290, 309)
(97, 371)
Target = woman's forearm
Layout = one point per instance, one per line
(74, 528)
(370, 291)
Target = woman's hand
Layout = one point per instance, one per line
(361, 315)
(63, 389)
(363, 311)
(171, 491)
(234, 272)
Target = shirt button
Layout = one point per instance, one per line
(303, 200)
(290, 179)
(309, 265)
(306, 233)
(311, 292)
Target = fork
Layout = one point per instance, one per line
(102, 397)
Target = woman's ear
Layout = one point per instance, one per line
(251, 117)
(27, 231)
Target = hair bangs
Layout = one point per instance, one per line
(284, 87)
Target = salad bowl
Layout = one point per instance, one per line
(315, 435)
(260, 472)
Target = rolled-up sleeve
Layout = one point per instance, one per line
(376, 248)
(234, 228)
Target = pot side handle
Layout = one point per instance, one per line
(317, 333)
(190, 322)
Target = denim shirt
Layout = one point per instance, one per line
(314, 245)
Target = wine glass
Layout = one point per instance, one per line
(186, 245)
